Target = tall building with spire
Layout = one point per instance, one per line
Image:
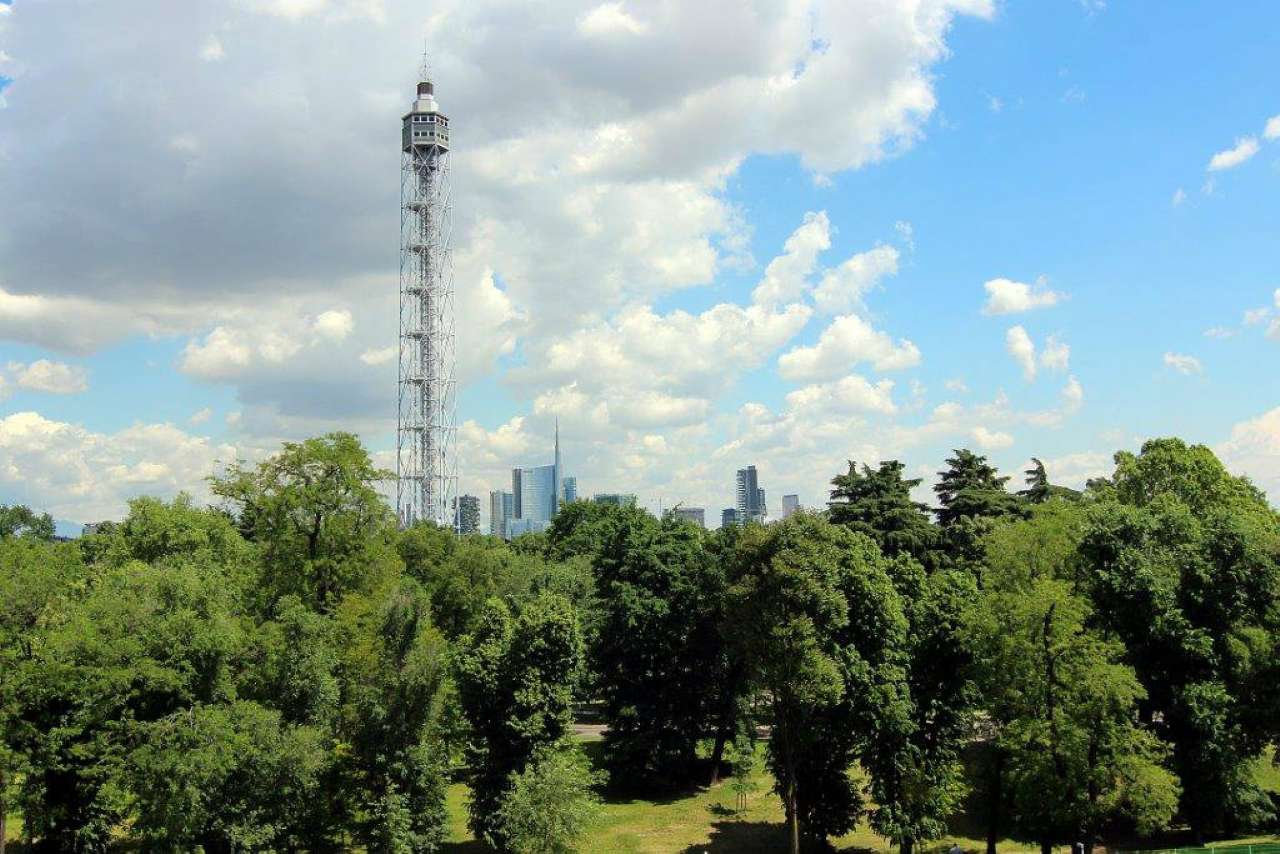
(538, 492)
(426, 429)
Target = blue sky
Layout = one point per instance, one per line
(624, 175)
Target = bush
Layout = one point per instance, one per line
(551, 804)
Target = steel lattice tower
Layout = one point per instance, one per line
(426, 434)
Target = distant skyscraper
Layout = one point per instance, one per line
(728, 516)
(502, 508)
(536, 495)
(466, 514)
(790, 504)
(751, 507)
(696, 515)
(569, 489)
(617, 499)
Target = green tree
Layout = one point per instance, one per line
(914, 758)
(515, 679)
(551, 804)
(291, 664)
(18, 520)
(972, 499)
(660, 662)
(1043, 545)
(877, 502)
(141, 644)
(1039, 490)
(36, 577)
(322, 528)
(1184, 567)
(817, 618)
(476, 571)
(970, 487)
(745, 767)
(424, 547)
(226, 777)
(1065, 707)
(396, 670)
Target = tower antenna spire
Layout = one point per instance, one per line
(424, 67)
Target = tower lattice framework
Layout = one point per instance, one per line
(426, 435)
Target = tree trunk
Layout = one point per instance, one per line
(4, 813)
(906, 845)
(1046, 848)
(717, 756)
(793, 818)
(995, 797)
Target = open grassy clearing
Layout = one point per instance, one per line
(702, 820)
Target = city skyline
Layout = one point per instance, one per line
(1009, 227)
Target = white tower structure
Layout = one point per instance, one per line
(426, 435)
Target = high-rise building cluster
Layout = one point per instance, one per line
(535, 497)
(538, 492)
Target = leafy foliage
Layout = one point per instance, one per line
(659, 660)
(1184, 567)
(970, 487)
(515, 678)
(315, 513)
(551, 805)
(820, 625)
(878, 503)
(291, 672)
(17, 520)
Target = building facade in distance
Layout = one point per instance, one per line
(728, 516)
(751, 507)
(466, 514)
(502, 508)
(536, 495)
(790, 504)
(616, 499)
(696, 515)
(569, 489)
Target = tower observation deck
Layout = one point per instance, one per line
(426, 433)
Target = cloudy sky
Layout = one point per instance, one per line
(781, 232)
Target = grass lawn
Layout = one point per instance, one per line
(703, 821)
(692, 822)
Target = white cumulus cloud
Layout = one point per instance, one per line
(1230, 158)
(786, 278)
(334, 324)
(1022, 349)
(990, 440)
(378, 355)
(80, 475)
(1183, 363)
(1056, 355)
(49, 377)
(1005, 296)
(609, 19)
(1254, 449)
(843, 288)
(848, 341)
